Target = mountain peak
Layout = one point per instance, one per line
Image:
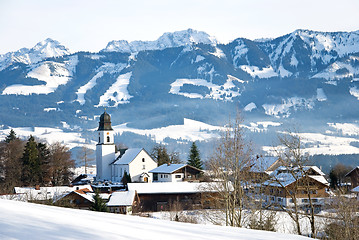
(167, 40)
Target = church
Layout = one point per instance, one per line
(113, 165)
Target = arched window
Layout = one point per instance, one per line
(108, 138)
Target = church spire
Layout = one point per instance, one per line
(105, 122)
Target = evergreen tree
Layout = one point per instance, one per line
(11, 136)
(160, 155)
(31, 163)
(126, 178)
(194, 158)
(98, 204)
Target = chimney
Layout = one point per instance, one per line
(37, 187)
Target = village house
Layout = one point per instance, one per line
(81, 198)
(164, 196)
(354, 176)
(112, 165)
(175, 173)
(123, 202)
(285, 182)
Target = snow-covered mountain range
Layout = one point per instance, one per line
(305, 77)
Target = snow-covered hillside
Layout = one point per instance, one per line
(20, 220)
(42, 50)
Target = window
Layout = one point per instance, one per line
(108, 138)
(279, 199)
(155, 176)
(178, 176)
(143, 167)
(143, 160)
(99, 139)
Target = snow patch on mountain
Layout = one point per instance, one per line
(199, 58)
(42, 50)
(259, 72)
(191, 130)
(218, 53)
(338, 70)
(88, 86)
(261, 126)
(348, 129)
(117, 93)
(167, 40)
(224, 92)
(354, 91)
(250, 106)
(321, 95)
(53, 74)
(283, 110)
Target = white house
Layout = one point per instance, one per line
(111, 166)
(175, 173)
(122, 202)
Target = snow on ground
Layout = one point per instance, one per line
(257, 72)
(53, 74)
(191, 130)
(20, 220)
(50, 135)
(282, 221)
(219, 92)
(198, 59)
(117, 93)
(283, 109)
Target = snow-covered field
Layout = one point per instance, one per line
(20, 220)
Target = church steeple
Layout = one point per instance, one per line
(105, 122)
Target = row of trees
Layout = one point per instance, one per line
(162, 156)
(29, 163)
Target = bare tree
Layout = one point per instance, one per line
(294, 180)
(85, 156)
(344, 220)
(230, 164)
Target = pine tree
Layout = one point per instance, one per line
(98, 205)
(194, 158)
(31, 163)
(11, 137)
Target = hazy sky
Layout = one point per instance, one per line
(90, 25)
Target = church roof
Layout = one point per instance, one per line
(128, 156)
(105, 122)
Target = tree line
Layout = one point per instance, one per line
(31, 162)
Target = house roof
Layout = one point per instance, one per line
(356, 189)
(357, 167)
(165, 168)
(129, 155)
(45, 193)
(171, 187)
(121, 198)
(263, 164)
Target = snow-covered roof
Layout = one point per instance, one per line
(320, 179)
(129, 155)
(167, 168)
(121, 198)
(261, 165)
(170, 187)
(356, 189)
(46, 193)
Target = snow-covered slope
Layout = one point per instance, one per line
(20, 220)
(42, 50)
(167, 40)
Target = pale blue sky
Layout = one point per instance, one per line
(90, 25)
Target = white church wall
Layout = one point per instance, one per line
(143, 163)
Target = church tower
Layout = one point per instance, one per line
(105, 148)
